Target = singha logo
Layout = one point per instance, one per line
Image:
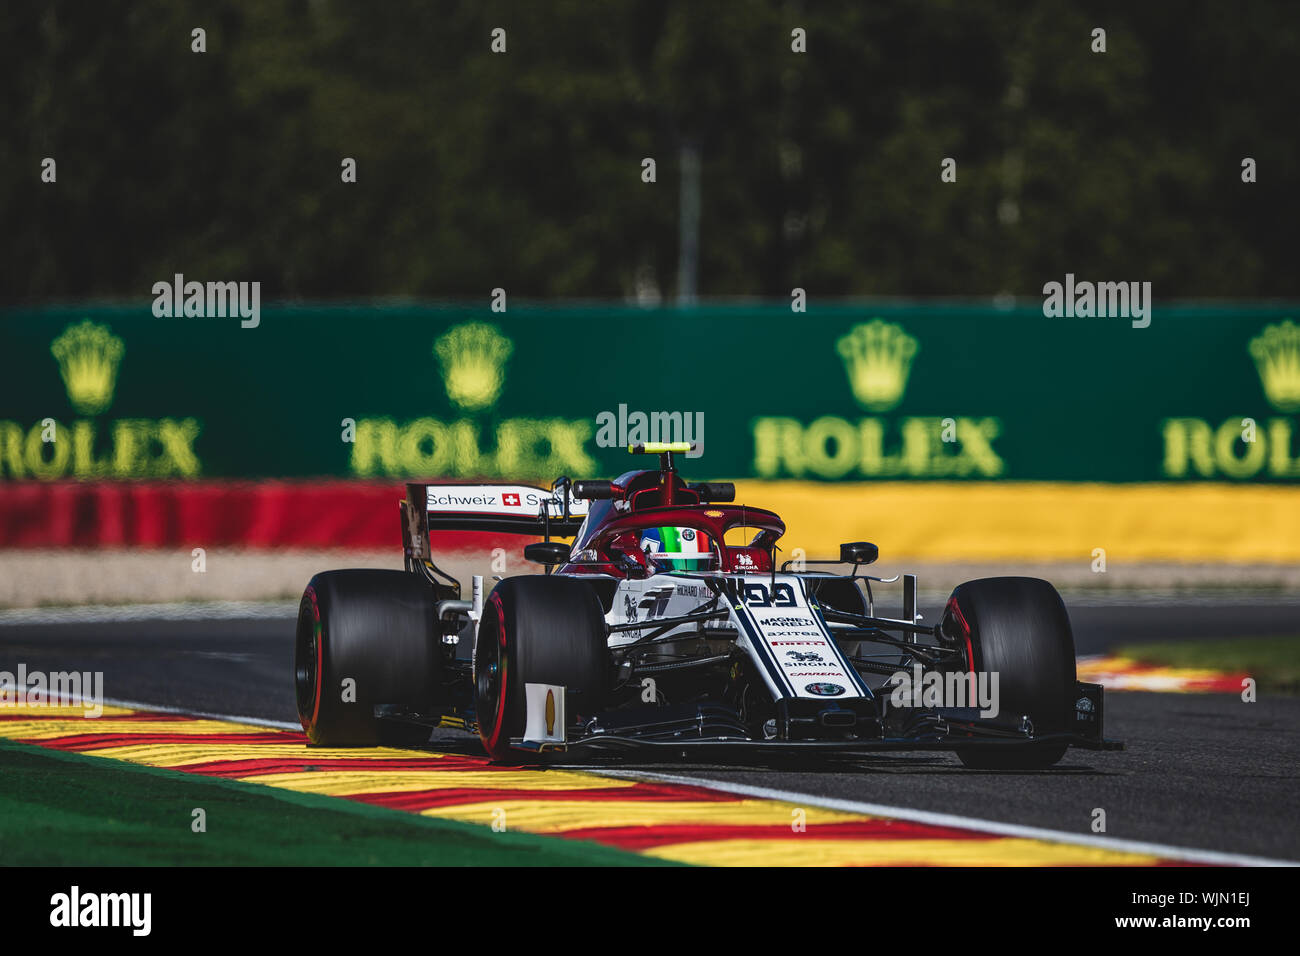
(1276, 352)
(878, 358)
(88, 357)
(473, 358)
(804, 655)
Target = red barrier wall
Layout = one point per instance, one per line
(328, 514)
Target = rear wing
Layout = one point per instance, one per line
(508, 509)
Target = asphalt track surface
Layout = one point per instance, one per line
(1205, 772)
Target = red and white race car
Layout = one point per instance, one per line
(668, 624)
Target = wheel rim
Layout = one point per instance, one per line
(307, 658)
(491, 673)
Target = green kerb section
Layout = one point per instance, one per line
(58, 808)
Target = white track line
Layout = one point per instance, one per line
(256, 721)
(959, 822)
(182, 711)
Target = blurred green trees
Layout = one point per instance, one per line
(523, 169)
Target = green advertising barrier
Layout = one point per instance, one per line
(846, 392)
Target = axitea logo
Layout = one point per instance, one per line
(76, 909)
(1102, 300)
(208, 300)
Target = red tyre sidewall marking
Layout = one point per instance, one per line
(960, 618)
(505, 673)
(955, 608)
(320, 656)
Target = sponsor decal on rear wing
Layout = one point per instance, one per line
(511, 509)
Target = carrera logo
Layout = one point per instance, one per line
(823, 689)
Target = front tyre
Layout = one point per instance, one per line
(1017, 628)
(365, 638)
(537, 629)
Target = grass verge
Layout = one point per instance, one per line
(1274, 662)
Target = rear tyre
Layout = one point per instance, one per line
(378, 631)
(537, 629)
(1017, 628)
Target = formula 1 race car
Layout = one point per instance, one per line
(667, 625)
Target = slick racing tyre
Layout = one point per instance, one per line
(1017, 628)
(537, 629)
(366, 638)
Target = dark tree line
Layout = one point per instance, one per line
(522, 169)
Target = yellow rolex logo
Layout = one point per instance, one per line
(1276, 352)
(473, 358)
(88, 356)
(878, 358)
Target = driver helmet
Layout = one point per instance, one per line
(678, 549)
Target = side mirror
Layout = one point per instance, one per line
(858, 552)
(593, 490)
(547, 552)
(714, 490)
